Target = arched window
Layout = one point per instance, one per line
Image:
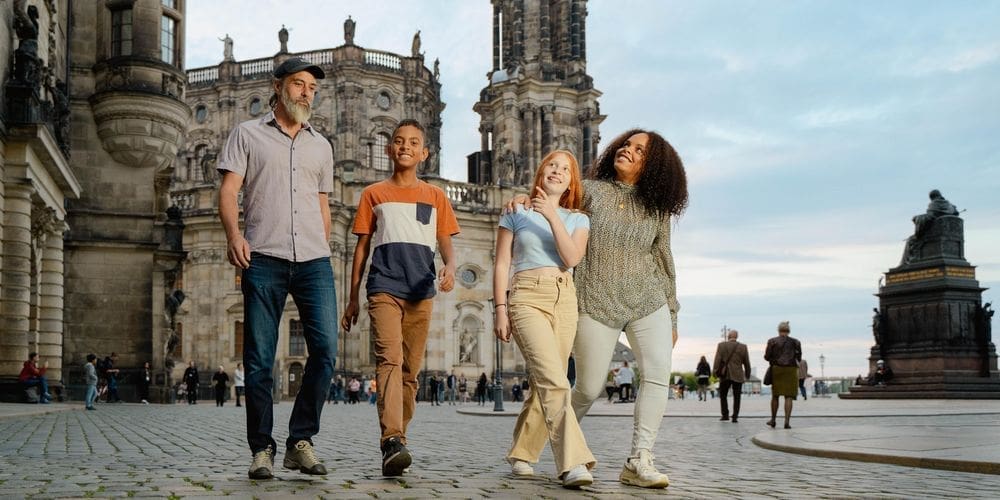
(380, 160)
(296, 338)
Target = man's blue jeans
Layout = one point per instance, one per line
(41, 383)
(266, 285)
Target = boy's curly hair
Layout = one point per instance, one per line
(662, 185)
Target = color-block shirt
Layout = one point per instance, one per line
(404, 224)
(534, 245)
(628, 271)
(282, 179)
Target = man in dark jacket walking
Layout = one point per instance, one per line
(732, 367)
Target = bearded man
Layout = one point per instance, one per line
(285, 169)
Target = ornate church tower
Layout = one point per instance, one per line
(539, 97)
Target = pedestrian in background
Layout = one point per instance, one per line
(191, 383)
(783, 353)
(463, 389)
(732, 367)
(239, 382)
(221, 381)
(452, 382)
(432, 390)
(803, 375)
(111, 374)
(353, 390)
(32, 375)
(703, 372)
(481, 389)
(145, 380)
(90, 378)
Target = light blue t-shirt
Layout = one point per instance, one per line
(534, 246)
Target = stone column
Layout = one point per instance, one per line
(496, 37)
(50, 301)
(15, 294)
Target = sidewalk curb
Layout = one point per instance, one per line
(959, 465)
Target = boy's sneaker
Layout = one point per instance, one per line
(521, 468)
(640, 471)
(303, 458)
(263, 464)
(576, 477)
(395, 457)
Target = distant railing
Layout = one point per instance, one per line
(469, 195)
(383, 60)
(318, 56)
(203, 75)
(256, 66)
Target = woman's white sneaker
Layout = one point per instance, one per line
(640, 471)
(576, 477)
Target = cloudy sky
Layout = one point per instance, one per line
(811, 133)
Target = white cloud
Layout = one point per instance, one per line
(838, 116)
(952, 60)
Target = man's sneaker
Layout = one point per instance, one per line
(521, 468)
(576, 477)
(303, 459)
(395, 457)
(263, 464)
(640, 471)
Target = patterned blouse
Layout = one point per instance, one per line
(628, 272)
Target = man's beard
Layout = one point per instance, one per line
(299, 113)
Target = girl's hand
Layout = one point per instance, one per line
(675, 338)
(501, 325)
(543, 204)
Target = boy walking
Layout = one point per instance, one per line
(399, 220)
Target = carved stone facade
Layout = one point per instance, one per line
(81, 210)
(109, 233)
(366, 93)
(540, 97)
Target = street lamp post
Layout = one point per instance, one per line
(822, 362)
(497, 387)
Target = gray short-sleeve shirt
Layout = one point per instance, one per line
(282, 179)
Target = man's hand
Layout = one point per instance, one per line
(238, 251)
(350, 316)
(446, 279)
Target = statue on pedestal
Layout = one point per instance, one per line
(938, 207)
(349, 31)
(227, 48)
(415, 46)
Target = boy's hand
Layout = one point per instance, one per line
(501, 325)
(446, 279)
(350, 316)
(521, 199)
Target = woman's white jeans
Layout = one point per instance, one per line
(651, 340)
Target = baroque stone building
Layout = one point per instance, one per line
(539, 100)
(109, 227)
(92, 117)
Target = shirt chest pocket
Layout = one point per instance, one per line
(424, 212)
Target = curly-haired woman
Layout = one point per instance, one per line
(626, 282)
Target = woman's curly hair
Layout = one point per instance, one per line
(662, 185)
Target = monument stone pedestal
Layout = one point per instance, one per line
(931, 328)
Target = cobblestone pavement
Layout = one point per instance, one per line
(199, 451)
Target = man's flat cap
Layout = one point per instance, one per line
(296, 64)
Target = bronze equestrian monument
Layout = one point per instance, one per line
(931, 328)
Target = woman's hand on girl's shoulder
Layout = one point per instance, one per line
(520, 199)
